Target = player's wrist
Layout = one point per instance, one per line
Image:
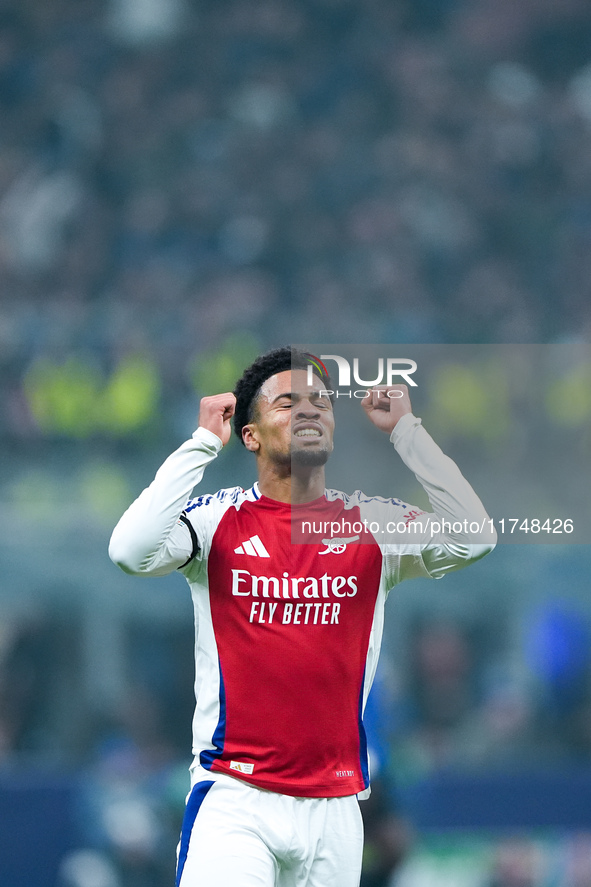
(405, 424)
(207, 437)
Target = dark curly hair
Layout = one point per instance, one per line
(267, 365)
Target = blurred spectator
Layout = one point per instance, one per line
(577, 868)
(518, 862)
(440, 693)
(557, 651)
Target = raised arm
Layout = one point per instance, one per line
(150, 539)
(458, 531)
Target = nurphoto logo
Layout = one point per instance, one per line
(389, 371)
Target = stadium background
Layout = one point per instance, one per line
(183, 184)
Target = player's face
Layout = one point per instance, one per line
(294, 421)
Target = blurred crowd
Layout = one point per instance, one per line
(173, 172)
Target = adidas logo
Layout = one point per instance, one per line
(254, 547)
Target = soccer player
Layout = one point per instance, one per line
(287, 634)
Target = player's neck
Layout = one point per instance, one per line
(296, 489)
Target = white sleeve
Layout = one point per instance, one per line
(445, 538)
(150, 539)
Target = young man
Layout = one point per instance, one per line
(287, 634)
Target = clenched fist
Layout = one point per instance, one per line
(215, 414)
(386, 404)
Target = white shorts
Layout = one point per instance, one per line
(236, 835)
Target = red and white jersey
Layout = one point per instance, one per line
(288, 635)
